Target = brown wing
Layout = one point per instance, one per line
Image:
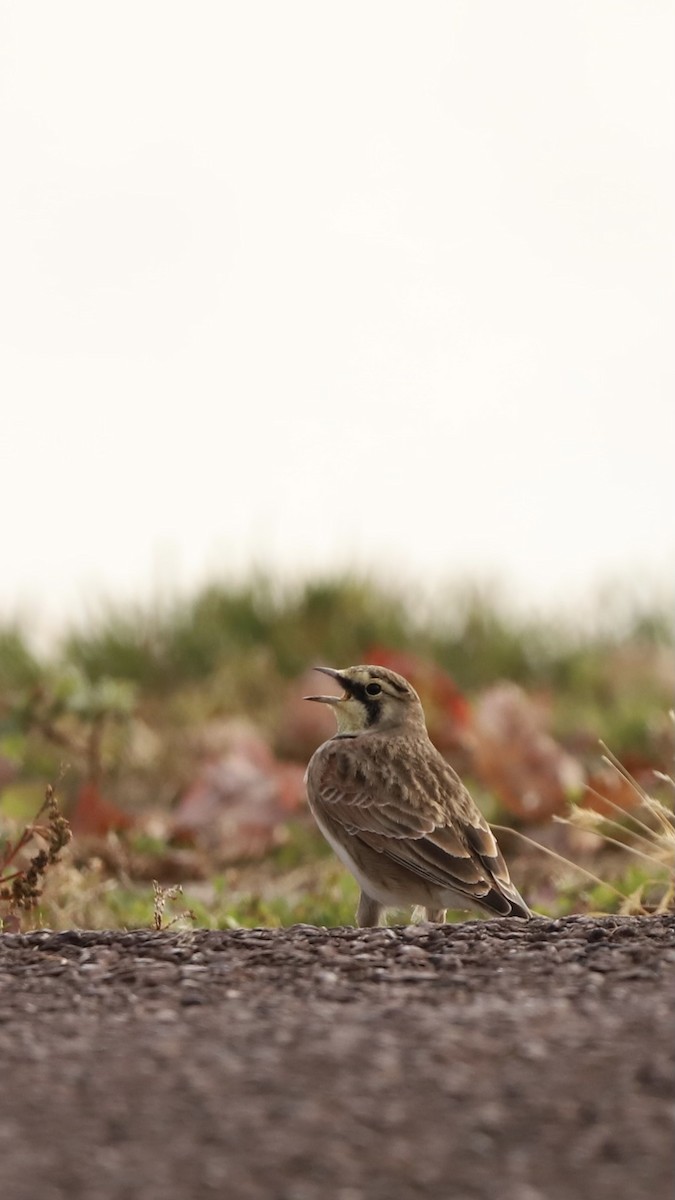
(403, 800)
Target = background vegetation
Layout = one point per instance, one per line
(176, 742)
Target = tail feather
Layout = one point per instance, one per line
(506, 901)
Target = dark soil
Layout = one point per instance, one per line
(506, 1060)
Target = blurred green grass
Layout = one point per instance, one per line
(263, 628)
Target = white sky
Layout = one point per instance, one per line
(305, 285)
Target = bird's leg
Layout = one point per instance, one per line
(369, 912)
(437, 915)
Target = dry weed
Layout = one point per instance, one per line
(22, 882)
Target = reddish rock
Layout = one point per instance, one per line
(240, 798)
(514, 756)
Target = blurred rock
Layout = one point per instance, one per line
(94, 816)
(529, 772)
(241, 797)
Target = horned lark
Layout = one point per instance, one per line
(395, 812)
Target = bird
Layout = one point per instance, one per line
(395, 812)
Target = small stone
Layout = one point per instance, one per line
(413, 952)
(328, 977)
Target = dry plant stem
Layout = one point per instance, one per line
(650, 836)
(30, 831)
(11, 851)
(27, 882)
(560, 858)
(652, 805)
(659, 842)
(161, 895)
(606, 838)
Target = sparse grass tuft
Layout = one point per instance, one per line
(645, 833)
(162, 896)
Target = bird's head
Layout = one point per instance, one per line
(373, 699)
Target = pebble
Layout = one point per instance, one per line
(413, 952)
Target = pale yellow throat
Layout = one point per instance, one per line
(350, 716)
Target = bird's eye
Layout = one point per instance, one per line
(373, 689)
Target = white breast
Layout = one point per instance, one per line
(369, 886)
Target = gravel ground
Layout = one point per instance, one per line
(503, 1059)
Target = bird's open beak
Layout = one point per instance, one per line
(338, 679)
